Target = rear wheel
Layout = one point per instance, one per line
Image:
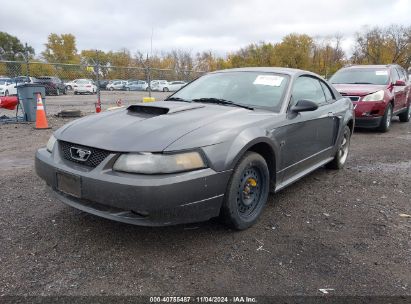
(165, 89)
(342, 153)
(247, 192)
(386, 119)
(69, 87)
(405, 116)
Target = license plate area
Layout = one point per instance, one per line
(69, 184)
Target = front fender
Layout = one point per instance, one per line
(225, 155)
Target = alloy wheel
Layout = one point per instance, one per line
(343, 150)
(389, 116)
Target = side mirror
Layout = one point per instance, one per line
(304, 106)
(399, 83)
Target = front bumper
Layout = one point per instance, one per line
(369, 114)
(83, 90)
(156, 200)
(369, 122)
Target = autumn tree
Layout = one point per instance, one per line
(383, 45)
(328, 55)
(11, 48)
(61, 49)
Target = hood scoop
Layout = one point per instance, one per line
(146, 111)
(162, 108)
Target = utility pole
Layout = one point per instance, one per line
(26, 57)
(97, 70)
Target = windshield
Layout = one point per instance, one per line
(3, 81)
(361, 76)
(254, 89)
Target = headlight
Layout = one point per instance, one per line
(377, 96)
(51, 143)
(148, 163)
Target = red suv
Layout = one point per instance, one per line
(378, 92)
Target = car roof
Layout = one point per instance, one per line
(287, 71)
(370, 66)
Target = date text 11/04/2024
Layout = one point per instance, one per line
(203, 299)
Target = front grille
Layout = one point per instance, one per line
(95, 158)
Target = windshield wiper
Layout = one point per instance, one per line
(177, 99)
(223, 102)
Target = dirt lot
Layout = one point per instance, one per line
(339, 230)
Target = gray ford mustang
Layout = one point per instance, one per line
(217, 147)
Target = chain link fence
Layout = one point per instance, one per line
(98, 73)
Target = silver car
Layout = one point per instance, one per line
(215, 148)
(139, 85)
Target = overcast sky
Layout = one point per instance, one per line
(218, 25)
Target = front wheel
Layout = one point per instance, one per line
(247, 192)
(386, 119)
(342, 153)
(6, 93)
(405, 116)
(165, 89)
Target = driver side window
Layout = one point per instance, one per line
(308, 88)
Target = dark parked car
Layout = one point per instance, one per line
(103, 84)
(53, 85)
(216, 147)
(378, 93)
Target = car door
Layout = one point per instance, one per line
(405, 88)
(398, 90)
(308, 137)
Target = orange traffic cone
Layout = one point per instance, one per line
(41, 120)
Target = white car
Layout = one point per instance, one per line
(175, 85)
(70, 85)
(85, 86)
(159, 85)
(7, 87)
(116, 85)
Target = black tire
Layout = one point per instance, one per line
(406, 115)
(69, 87)
(75, 92)
(165, 89)
(341, 155)
(386, 119)
(6, 93)
(111, 89)
(65, 91)
(247, 192)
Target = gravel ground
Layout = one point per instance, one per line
(333, 229)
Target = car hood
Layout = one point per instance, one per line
(358, 89)
(148, 127)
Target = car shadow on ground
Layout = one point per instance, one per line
(99, 229)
